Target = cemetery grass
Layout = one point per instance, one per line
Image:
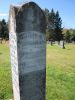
(60, 73)
(5, 73)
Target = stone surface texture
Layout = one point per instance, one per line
(27, 35)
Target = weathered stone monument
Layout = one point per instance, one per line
(27, 26)
(62, 44)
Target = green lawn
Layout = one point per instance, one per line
(60, 73)
(5, 73)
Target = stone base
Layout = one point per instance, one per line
(32, 85)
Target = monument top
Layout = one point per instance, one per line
(29, 9)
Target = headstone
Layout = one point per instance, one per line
(62, 44)
(1, 40)
(27, 26)
(56, 42)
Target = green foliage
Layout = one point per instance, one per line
(54, 25)
(72, 38)
(67, 36)
(58, 27)
(51, 25)
(4, 29)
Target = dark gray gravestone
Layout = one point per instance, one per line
(27, 26)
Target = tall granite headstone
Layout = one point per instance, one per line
(27, 36)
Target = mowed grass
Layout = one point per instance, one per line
(5, 73)
(60, 73)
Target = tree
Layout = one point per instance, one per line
(51, 25)
(67, 36)
(0, 29)
(54, 27)
(58, 27)
(72, 37)
(4, 29)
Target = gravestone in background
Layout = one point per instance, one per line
(62, 44)
(28, 51)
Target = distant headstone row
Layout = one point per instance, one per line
(27, 26)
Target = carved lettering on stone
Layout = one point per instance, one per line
(28, 51)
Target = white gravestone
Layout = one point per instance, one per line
(62, 44)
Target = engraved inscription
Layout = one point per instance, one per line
(31, 51)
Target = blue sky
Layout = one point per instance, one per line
(66, 9)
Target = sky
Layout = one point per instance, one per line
(66, 9)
